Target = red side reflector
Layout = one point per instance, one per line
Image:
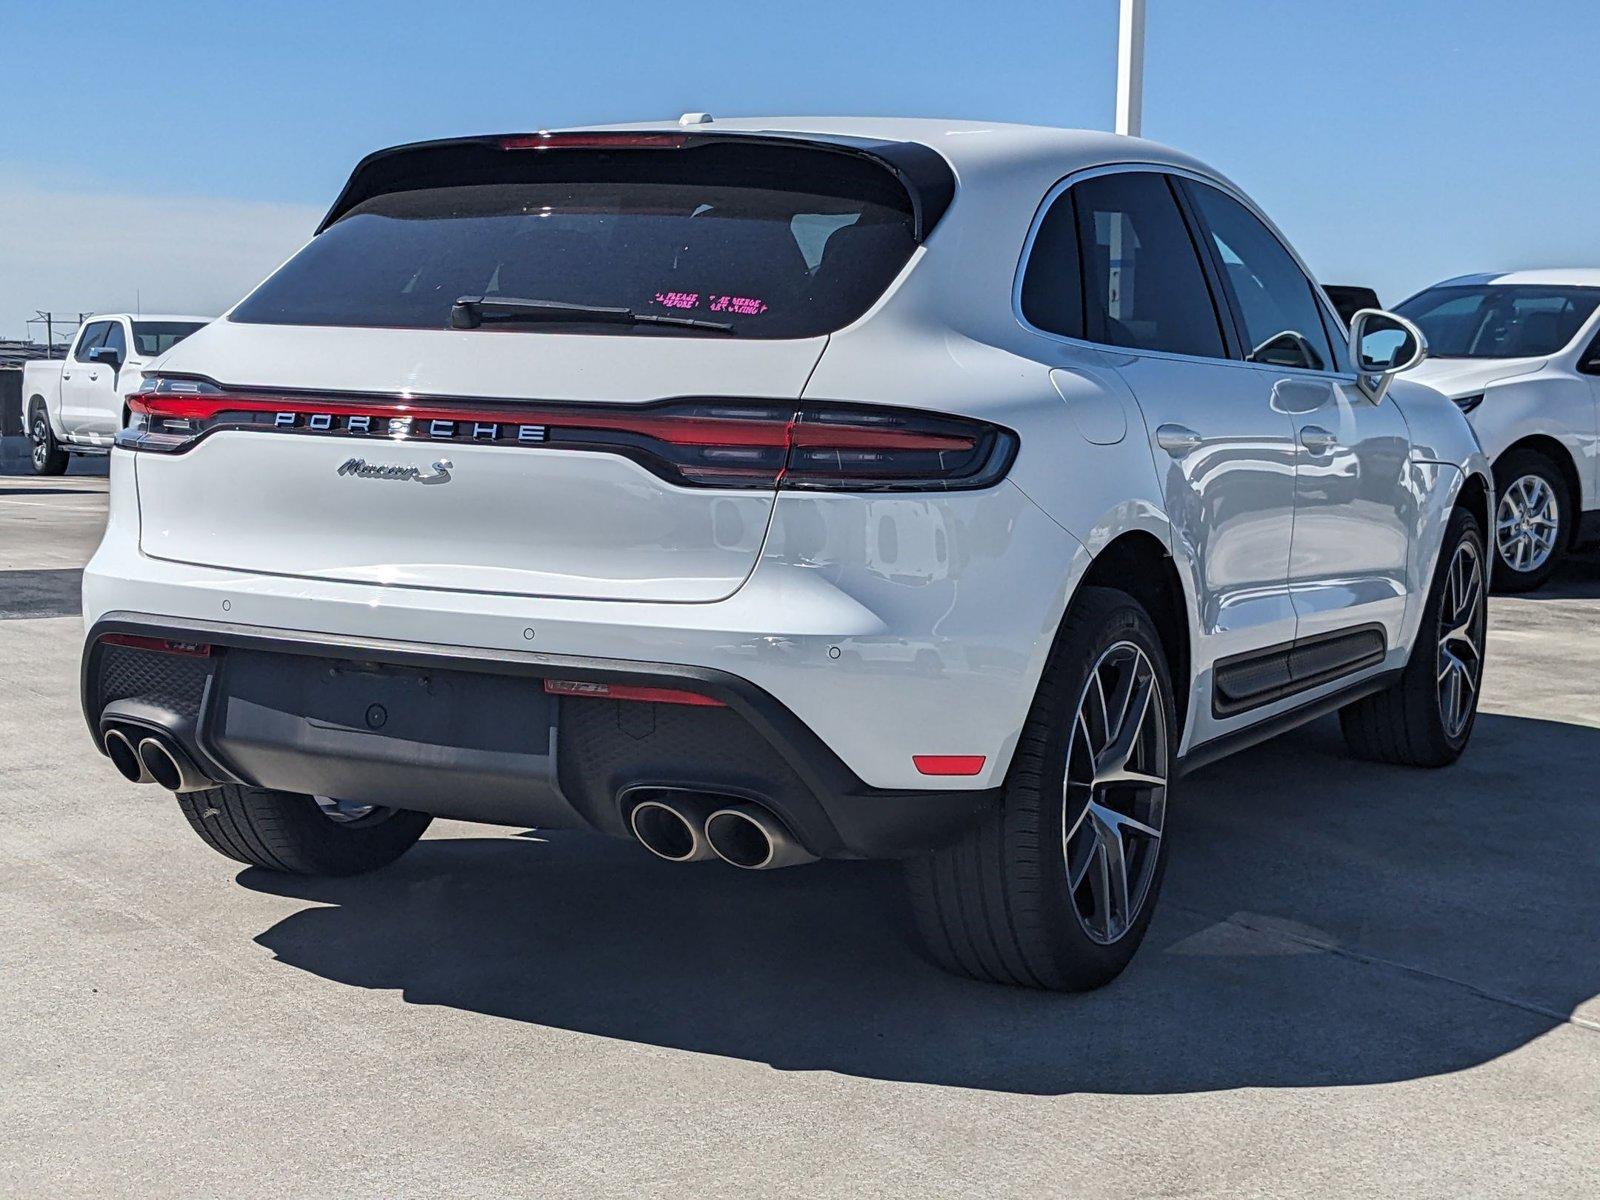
(624, 691)
(948, 764)
(159, 644)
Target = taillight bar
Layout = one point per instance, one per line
(707, 443)
(136, 641)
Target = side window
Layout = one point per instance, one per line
(1143, 285)
(93, 336)
(1052, 285)
(117, 340)
(1274, 300)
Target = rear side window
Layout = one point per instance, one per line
(776, 242)
(157, 337)
(1274, 300)
(1143, 284)
(1052, 285)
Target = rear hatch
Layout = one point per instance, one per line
(564, 366)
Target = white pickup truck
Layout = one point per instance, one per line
(75, 405)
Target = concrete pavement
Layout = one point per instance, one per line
(1361, 981)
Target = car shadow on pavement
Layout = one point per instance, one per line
(1325, 922)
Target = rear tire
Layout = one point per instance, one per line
(1533, 517)
(291, 833)
(999, 905)
(47, 455)
(1415, 722)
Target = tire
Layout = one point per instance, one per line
(997, 905)
(1531, 480)
(47, 455)
(291, 833)
(1408, 723)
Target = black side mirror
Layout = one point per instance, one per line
(107, 356)
(1349, 299)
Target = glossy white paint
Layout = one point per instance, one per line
(890, 624)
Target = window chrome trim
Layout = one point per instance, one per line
(1063, 185)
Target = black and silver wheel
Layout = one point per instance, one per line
(1531, 520)
(47, 456)
(1426, 717)
(1056, 889)
(297, 834)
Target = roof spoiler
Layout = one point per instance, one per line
(921, 170)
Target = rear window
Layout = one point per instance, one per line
(157, 337)
(775, 242)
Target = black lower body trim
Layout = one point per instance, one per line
(1231, 743)
(1247, 681)
(753, 747)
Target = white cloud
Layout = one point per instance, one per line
(96, 251)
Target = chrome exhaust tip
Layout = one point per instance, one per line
(750, 837)
(170, 767)
(124, 757)
(673, 829)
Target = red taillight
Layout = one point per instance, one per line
(948, 764)
(161, 645)
(706, 443)
(593, 141)
(626, 691)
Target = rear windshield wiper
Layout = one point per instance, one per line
(469, 312)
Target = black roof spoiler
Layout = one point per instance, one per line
(923, 171)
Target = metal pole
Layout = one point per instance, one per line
(1130, 68)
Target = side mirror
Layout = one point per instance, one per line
(107, 356)
(1348, 299)
(1382, 345)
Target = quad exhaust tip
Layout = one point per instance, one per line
(119, 749)
(683, 826)
(673, 829)
(748, 836)
(170, 767)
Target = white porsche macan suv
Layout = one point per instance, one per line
(1519, 352)
(774, 490)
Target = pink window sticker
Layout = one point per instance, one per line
(744, 306)
(678, 299)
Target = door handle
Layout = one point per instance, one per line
(1178, 439)
(1317, 439)
(66, 374)
(94, 376)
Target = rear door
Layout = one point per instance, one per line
(1224, 452)
(1353, 505)
(607, 415)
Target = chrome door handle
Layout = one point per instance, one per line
(1317, 439)
(1178, 439)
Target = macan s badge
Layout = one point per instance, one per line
(439, 471)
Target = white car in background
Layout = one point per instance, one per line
(76, 405)
(1519, 353)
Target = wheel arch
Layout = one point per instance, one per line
(1553, 449)
(1138, 562)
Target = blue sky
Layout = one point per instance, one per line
(181, 150)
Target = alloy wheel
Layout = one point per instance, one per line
(40, 436)
(1527, 523)
(1462, 626)
(1115, 792)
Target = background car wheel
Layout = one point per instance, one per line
(1532, 520)
(1425, 719)
(47, 455)
(297, 834)
(1055, 890)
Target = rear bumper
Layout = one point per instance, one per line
(888, 627)
(752, 746)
